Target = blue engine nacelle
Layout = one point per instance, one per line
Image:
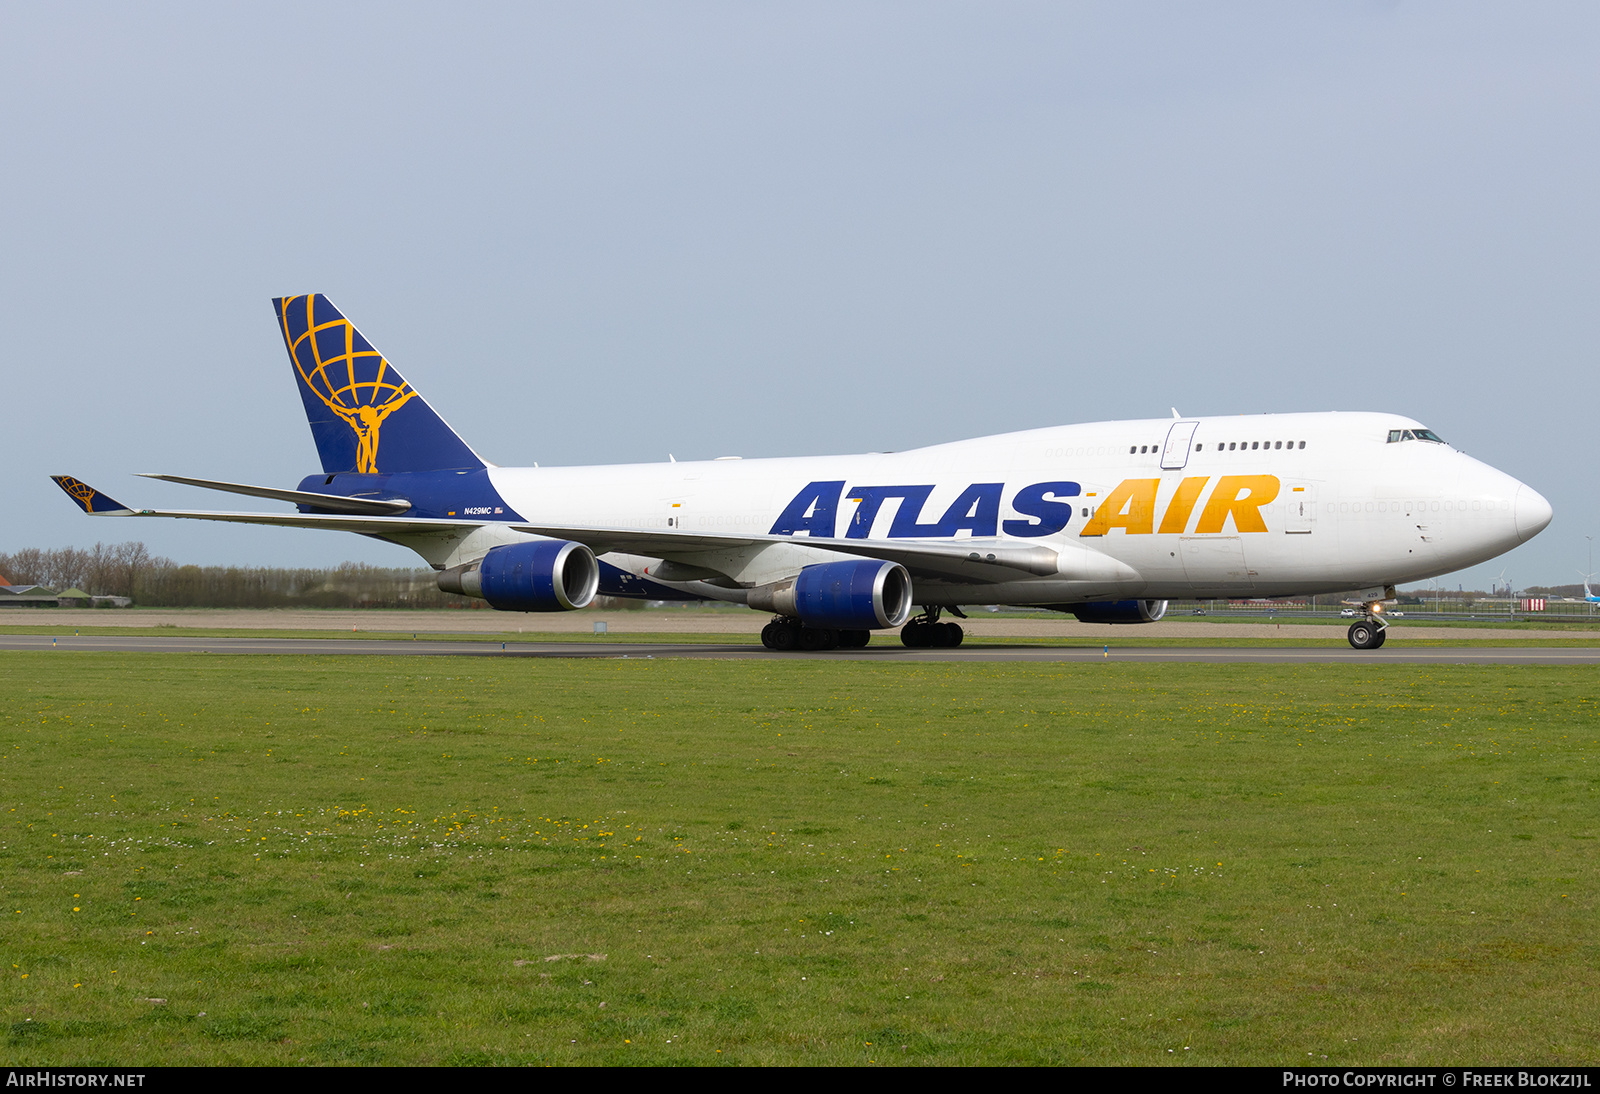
(548, 576)
(1118, 611)
(861, 595)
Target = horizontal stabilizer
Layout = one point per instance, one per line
(88, 498)
(336, 522)
(331, 503)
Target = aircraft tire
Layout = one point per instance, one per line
(1383, 636)
(915, 635)
(854, 640)
(1365, 636)
(779, 636)
(952, 635)
(817, 639)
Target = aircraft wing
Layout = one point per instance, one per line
(977, 561)
(974, 560)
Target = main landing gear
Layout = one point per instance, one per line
(926, 631)
(791, 634)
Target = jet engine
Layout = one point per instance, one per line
(847, 596)
(1117, 611)
(548, 576)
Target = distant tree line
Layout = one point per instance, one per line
(128, 569)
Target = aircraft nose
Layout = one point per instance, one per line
(1532, 511)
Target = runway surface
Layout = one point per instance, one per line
(879, 651)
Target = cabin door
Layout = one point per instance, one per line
(1299, 508)
(1175, 453)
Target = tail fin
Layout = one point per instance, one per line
(364, 416)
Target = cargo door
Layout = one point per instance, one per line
(1215, 564)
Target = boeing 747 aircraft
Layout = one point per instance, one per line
(1105, 521)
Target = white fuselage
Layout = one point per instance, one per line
(1345, 508)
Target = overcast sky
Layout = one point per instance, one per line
(596, 233)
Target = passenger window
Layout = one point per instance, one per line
(1277, 444)
(1302, 444)
(1255, 444)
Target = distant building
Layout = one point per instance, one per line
(42, 596)
(28, 596)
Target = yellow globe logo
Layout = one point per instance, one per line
(356, 383)
(80, 490)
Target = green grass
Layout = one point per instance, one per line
(370, 860)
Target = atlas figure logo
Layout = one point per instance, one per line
(84, 494)
(344, 372)
(1130, 507)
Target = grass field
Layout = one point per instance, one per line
(370, 860)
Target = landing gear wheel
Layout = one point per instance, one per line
(1383, 636)
(1365, 635)
(920, 635)
(854, 640)
(816, 639)
(779, 635)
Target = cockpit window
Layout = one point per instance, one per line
(1396, 435)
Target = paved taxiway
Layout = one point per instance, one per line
(881, 651)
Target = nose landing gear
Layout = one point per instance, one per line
(1369, 631)
(1367, 634)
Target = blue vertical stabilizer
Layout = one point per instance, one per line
(364, 416)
